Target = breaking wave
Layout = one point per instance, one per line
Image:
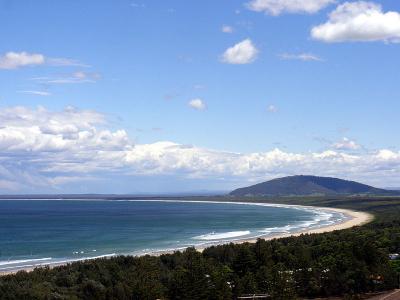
(221, 236)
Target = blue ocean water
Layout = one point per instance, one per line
(40, 232)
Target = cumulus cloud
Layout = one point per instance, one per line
(346, 144)
(48, 149)
(37, 145)
(15, 60)
(227, 29)
(359, 21)
(41, 130)
(197, 104)
(277, 7)
(300, 56)
(244, 52)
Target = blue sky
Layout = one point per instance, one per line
(197, 95)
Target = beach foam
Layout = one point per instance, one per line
(40, 262)
(221, 236)
(22, 261)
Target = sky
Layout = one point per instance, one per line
(190, 96)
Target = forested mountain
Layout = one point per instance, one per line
(309, 185)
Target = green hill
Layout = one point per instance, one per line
(301, 185)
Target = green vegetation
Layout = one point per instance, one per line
(347, 262)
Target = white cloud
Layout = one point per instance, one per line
(15, 60)
(65, 62)
(193, 162)
(42, 149)
(37, 146)
(272, 108)
(388, 155)
(197, 104)
(346, 144)
(300, 56)
(242, 53)
(76, 77)
(80, 75)
(42, 130)
(86, 76)
(138, 5)
(359, 21)
(36, 93)
(277, 7)
(227, 29)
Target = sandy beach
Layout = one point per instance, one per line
(353, 218)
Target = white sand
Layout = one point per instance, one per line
(354, 218)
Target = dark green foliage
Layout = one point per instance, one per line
(343, 263)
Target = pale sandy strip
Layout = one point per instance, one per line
(354, 218)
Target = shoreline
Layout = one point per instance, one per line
(353, 218)
(357, 218)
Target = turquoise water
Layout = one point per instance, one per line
(37, 232)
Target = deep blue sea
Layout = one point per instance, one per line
(40, 232)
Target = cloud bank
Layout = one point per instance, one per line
(45, 149)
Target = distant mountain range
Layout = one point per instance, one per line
(300, 185)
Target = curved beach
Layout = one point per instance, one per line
(352, 218)
(324, 220)
(355, 218)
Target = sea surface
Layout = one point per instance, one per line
(42, 232)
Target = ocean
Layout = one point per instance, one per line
(42, 232)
